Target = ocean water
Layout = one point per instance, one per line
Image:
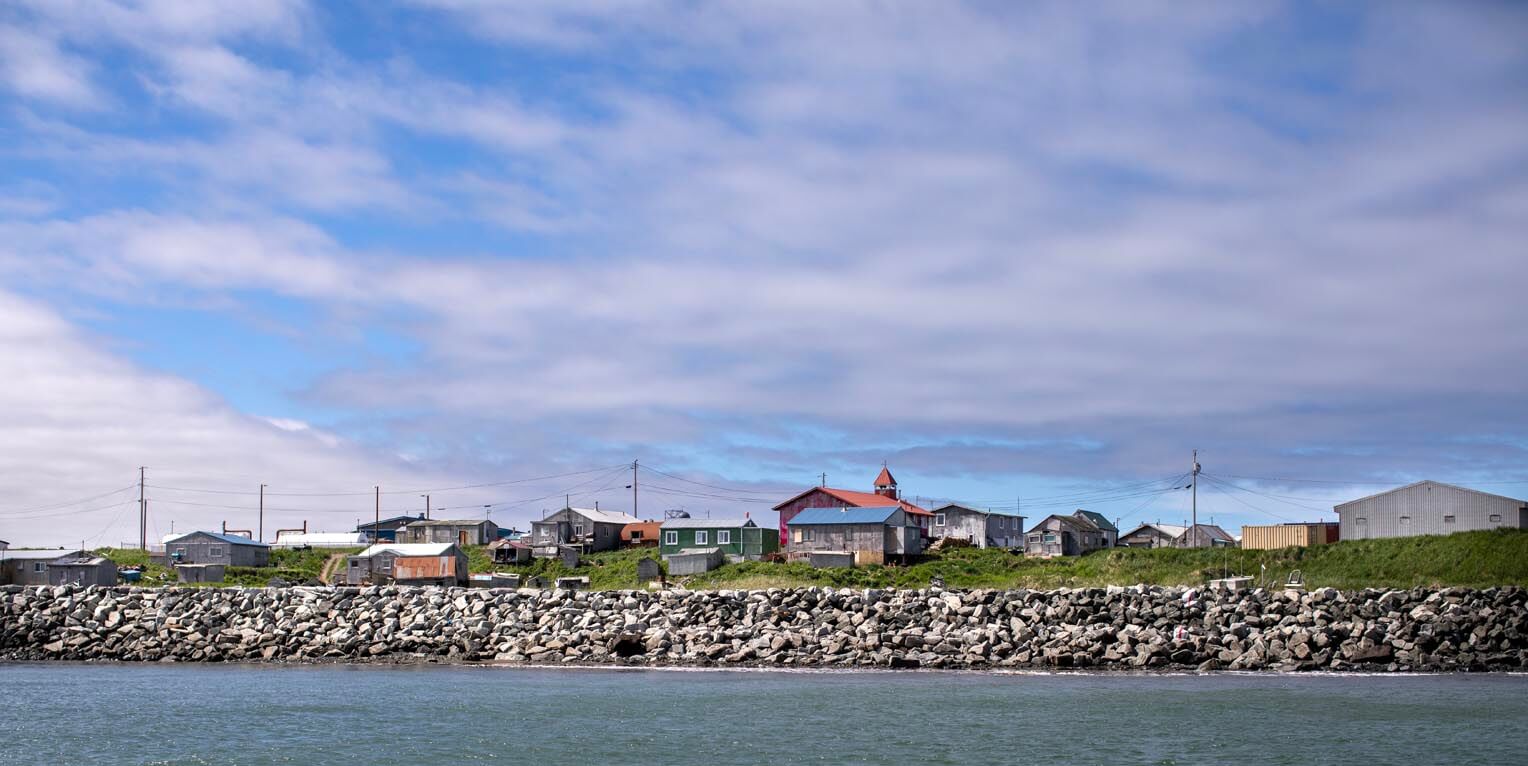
(248, 714)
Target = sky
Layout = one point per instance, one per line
(1026, 255)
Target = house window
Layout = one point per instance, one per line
(1361, 520)
(1050, 537)
(387, 564)
(578, 530)
(636, 534)
(1405, 521)
(938, 519)
(1448, 519)
(723, 537)
(702, 537)
(1034, 538)
(216, 550)
(355, 564)
(796, 534)
(1495, 517)
(670, 538)
(39, 566)
(808, 534)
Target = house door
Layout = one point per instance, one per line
(753, 542)
(461, 537)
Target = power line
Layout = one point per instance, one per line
(1216, 485)
(80, 501)
(734, 490)
(389, 492)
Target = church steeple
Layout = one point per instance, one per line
(885, 485)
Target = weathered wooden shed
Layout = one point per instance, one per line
(877, 535)
(982, 528)
(692, 561)
(217, 548)
(1428, 508)
(408, 564)
(82, 569)
(1062, 535)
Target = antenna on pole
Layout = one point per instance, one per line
(824, 476)
(1193, 530)
(143, 514)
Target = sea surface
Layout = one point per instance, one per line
(251, 714)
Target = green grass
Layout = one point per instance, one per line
(1475, 559)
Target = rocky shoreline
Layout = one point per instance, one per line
(1134, 628)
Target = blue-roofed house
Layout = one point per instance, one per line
(217, 548)
(871, 535)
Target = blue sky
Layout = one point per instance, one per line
(1038, 250)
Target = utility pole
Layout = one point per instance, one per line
(143, 514)
(376, 524)
(426, 507)
(1193, 533)
(261, 526)
(634, 489)
(824, 479)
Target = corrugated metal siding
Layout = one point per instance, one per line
(1273, 537)
(424, 567)
(1422, 509)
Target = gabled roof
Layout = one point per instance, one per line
(230, 539)
(1212, 532)
(1079, 523)
(605, 517)
(815, 516)
(1422, 482)
(36, 555)
(387, 523)
(448, 522)
(1098, 520)
(409, 549)
(858, 500)
(885, 479)
(707, 523)
(968, 509)
(1170, 530)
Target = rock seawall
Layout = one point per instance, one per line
(1128, 628)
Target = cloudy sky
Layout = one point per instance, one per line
(1014, 250)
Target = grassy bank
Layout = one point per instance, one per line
(1475, 559)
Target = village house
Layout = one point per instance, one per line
(857, 536)
(1205, 536)
(984, 529)
(82, 569)
(1152, 536)
(885, 493)
(510, 551)
(387, 530)
(1074, 535)
(1428, 508)
(738, 539)
(459, 531)
(30, 567)
(217, 548)
(589, 529)
(408, 564)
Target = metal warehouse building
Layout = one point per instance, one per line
(1428, 508)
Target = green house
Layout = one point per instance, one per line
(735, 537)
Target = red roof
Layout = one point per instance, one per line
(885, 480)
(859, 500)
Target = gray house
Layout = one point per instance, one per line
(1153, 536)
(82, 569)
(984, 529)
(29, 567)
(1205, 536)
(217, 548)
(408, 564)
(588, 529)
(1428, 508)
(1074, 535)
(458, 531)
(387, 530)
(856, 536)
